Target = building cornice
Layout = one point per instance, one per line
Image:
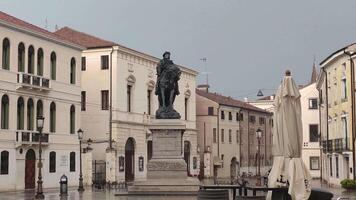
(41, 36)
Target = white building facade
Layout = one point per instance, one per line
(337, 118)
(39, 76)
(118, 86)
(310, 120)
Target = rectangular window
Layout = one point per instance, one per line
(210, 110)
(186, 108)
(241, 117)
(214, 135)
(262, 120)
(337, 166)
(128, 98)
(222, 136)
(237, 136)
(222, 114)
(105, 62)
(344, 89)
(230, 136)
(313, 103)
(4, 165)
(331, 166)
(230, 116)
(84, 64)
(237, 116)
(105, 99)
(72, 162)
(83, 100)
(313, 133)
(314, 163)
(149, 92)
(344, 129)
(252, 119)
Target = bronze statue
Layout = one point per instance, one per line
(167, 89)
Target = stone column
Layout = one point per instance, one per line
(110, 165)
(87, 168)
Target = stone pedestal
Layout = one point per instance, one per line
(167, 170)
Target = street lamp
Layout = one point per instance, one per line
(80, 137)
(258, 136)
(39, 122)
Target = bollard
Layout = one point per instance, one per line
(63, 185)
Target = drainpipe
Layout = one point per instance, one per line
(327, 109)
(352, 110)
(218, 130)
(320, 144)
(248, 141)
(240, 111)
(110, 93)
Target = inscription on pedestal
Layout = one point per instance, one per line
(167, 143)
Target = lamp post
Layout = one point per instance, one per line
(39, 122)
(80, 137)
(258, 136)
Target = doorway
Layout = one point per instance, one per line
(130, 160)
(30, 169)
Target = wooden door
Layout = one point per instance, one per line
(30, 170)
(129, 168)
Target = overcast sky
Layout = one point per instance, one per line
(248, 44)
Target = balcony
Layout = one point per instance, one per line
(336, 145)
(327, 146)
(32, 82)
(31, 138)
(341, 145)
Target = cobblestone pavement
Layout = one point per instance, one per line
(89, 194)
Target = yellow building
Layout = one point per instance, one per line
(337, 115)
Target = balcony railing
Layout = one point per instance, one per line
(335, 145)
(341, 144)
(28, 137)
(31, 81)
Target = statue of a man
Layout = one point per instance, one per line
(167, 88)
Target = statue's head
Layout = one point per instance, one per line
(167, 55)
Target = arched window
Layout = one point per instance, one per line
(52, 118)
(72, 161)
(30, 115)
(21, 57)
(5, 112)
(52, 161)
(72, 71)
(31, 60)
(6, 53)
(72, 119)
(53, 65)
(39, 109)
(40, 62)
(4, 162)
(20, 113)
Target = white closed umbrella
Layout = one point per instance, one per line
(287, 142)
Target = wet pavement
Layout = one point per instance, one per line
(89, 194)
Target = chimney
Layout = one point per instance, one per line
(204, 87)
(246, 99)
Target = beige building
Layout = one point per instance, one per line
(310, 120)
(118, 102)
(265, 103)
(337, 118)
(39, 76)
(227, 136)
